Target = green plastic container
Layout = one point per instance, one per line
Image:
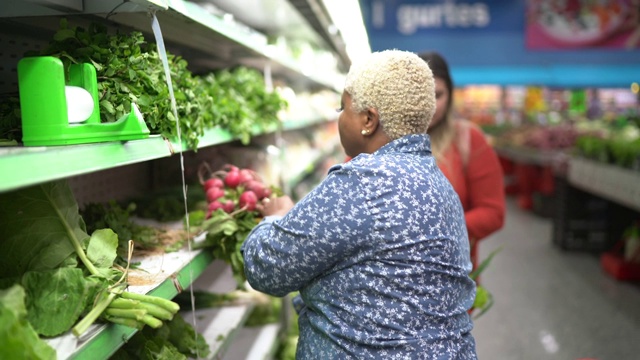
(43, 105)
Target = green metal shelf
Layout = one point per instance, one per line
(111, 337)
(25, 166)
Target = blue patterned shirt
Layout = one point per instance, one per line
(380, 255)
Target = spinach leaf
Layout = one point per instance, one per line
(37, 224)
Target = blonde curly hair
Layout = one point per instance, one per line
(400, 85)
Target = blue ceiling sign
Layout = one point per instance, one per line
(486, 42)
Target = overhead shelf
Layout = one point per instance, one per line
(611, 182)
(24, 166)
(207, 41)
(167, 275)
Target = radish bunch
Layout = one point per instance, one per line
(233, 189)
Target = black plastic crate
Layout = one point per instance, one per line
(585, 222)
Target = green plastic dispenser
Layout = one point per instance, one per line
(43, 103)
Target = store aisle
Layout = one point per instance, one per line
(551, 304)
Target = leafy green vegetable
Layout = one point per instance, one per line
(185, 338)
(130, 71)
(225, 235)
(55, 299)
(19, 340)
(176, 340)
(267, 311)
(483, 300)
(102, 248)
(37, 224)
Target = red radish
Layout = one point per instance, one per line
(214, 194)
(246, 175)
(232, 179)
(213, 182)
(215, 205)
(266, 193)
(257, 187)
(230, 168)
(228, 206)
(248, 200)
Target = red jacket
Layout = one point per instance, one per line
(479, 184)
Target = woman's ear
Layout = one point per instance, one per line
(372, 121)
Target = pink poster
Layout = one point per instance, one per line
(573, 24)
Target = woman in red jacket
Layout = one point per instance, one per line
(467, 160)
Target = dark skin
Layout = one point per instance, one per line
(350, 126)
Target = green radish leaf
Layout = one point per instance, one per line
(55, 299)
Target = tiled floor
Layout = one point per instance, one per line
(551, 304)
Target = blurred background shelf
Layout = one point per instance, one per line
(611, 182)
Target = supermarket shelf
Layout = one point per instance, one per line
(314, 158)
(166, 276)
(259, 342)
(531, 156)
(25, 166)
(223, 327)
(611, 182)
(222, 41)
(220, 325)
(206, 40)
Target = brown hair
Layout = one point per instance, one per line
(443, 133)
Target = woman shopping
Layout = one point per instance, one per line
(467, 160)
(379, 249)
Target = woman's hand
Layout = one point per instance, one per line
(275, 206)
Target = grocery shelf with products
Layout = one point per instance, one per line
(559, 146)
(109, 170)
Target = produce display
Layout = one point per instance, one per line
(266, 309)
(68, 276)
(232, 194)
(119, 219)
(129, 69)
(177, 340)
(615, 143)
(549, 137)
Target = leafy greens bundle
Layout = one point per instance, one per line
(129, 70)
(67, 274)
